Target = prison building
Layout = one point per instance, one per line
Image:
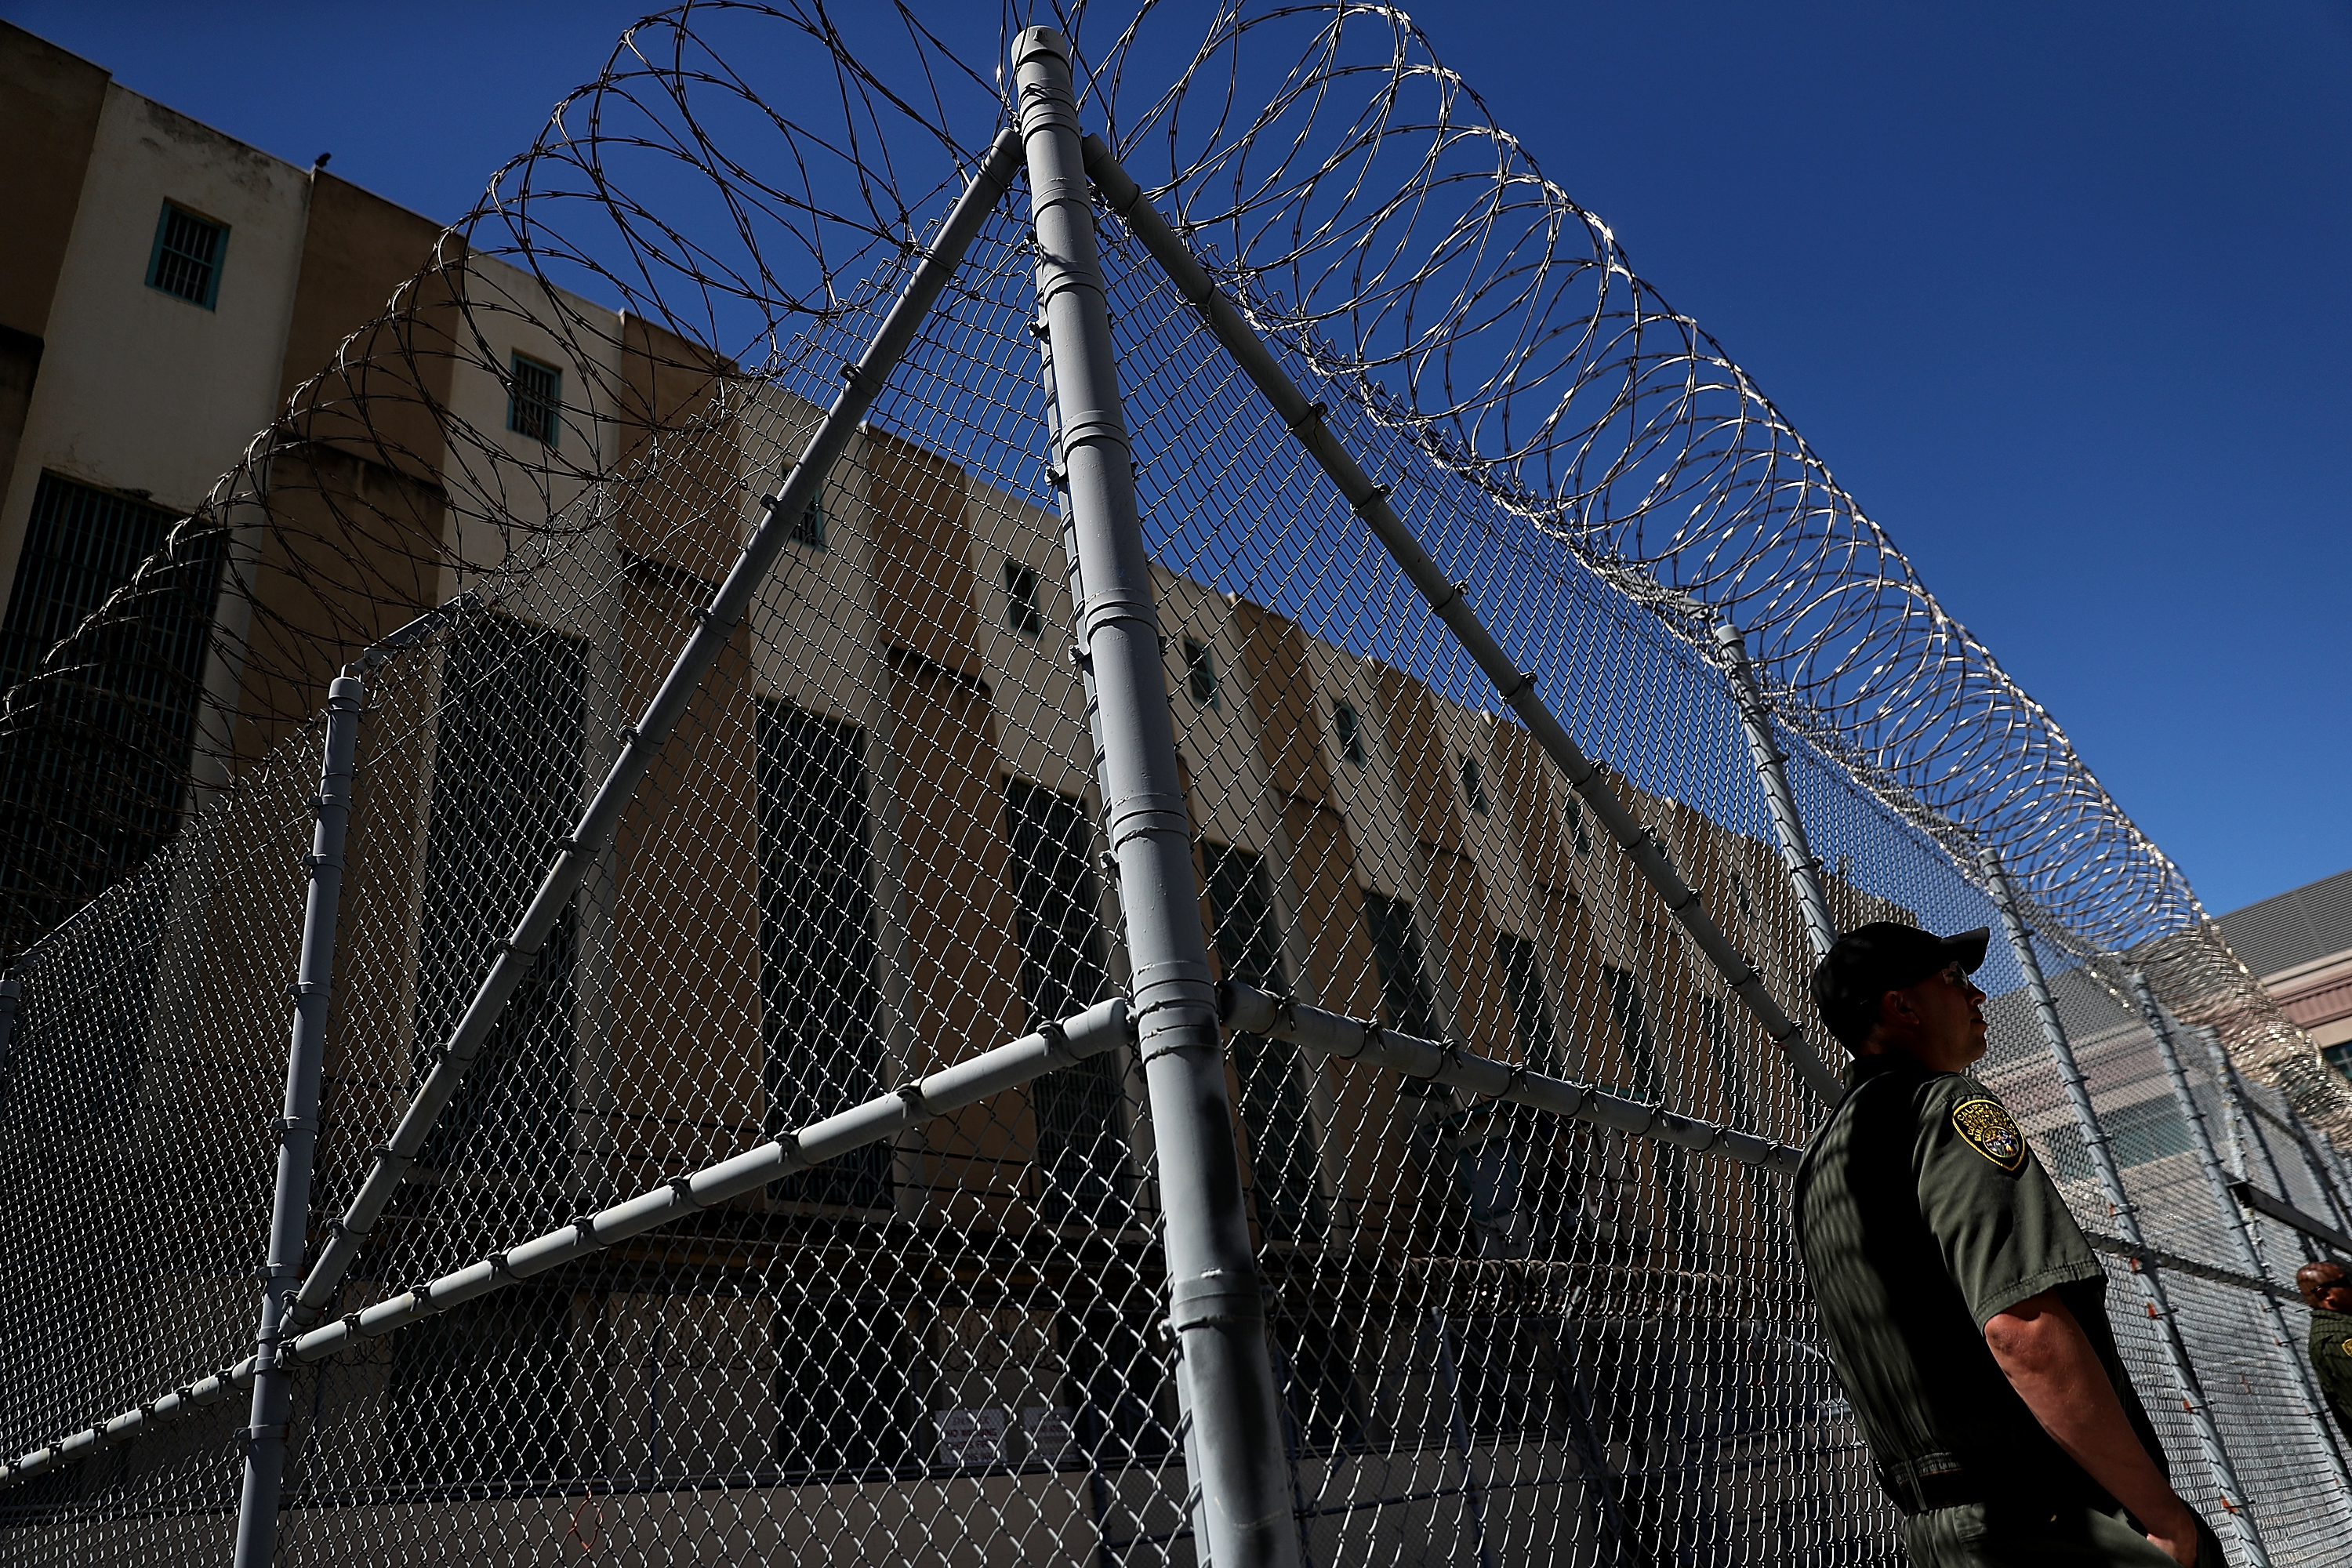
(166, 293)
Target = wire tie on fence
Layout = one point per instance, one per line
(849, 373)
(586, 1226)
(298, 989)
(1452, 591)
(628, 734)
(684, 1187)
(1373, 498)
(1315, 415)
(1056, 1038)
(422, 1293)
(499, 1269)
(916, 1106)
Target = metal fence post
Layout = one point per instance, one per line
(11, 992)
(1216, 1306)
(2119, 1204)
(1773, 773)
(2234, 1218)
(298, 1132)
(2245, 1114)
(2323, 1171)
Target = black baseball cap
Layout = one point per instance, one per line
(1868, 962)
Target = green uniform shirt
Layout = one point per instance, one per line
(2331, 1358)
(1921, 1212)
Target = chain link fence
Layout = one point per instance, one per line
(765, 1168)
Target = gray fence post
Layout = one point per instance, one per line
(1216, 1306)
(2234, 1218)
(1773, 773)
(2323, 1171)
(11, 992)
(2111, 1182)
(298, 1132)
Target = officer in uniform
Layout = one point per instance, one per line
(1965, 1310)
(2328, 1293)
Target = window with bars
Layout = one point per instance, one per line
(820, 1001)
(478, 1395)
(534, 399)
(104, 785)
(1640, 1045)
(808, 529)
(1351, 731)
(1274, 1097)
(1523, 988)
(1406, 1002)
(1474, 787)
(507, 782)
(1576, 824)
(1023, 610)
(186, 262)
(846, 1395)
(1200, 671)
(1081, 1147)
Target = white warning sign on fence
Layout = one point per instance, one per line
(971, 1436)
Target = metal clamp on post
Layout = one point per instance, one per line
(1216, 1299)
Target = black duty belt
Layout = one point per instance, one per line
(1926, 1494)
(1920, 1494)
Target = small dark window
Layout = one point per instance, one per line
(1406, 1003)
(1576, 826)
(809, 530)
(1474, 785)
(1523, 987)
(1739, 894)
(1200, 671)
(186, 260)
(1021, 606)
(1351, 732)
(534, 399)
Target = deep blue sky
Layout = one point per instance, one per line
(2060, 293)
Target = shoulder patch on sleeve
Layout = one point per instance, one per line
(1987, 1128)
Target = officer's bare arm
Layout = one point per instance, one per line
(2052, 1365)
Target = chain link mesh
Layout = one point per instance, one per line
(873, 850)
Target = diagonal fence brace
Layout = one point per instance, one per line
(1009, 1066)
(1254, 1012)
(1305, 422)
(715, 625)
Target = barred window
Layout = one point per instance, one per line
(808, 529)
(1474, 786)
(534, 399)
(1273, 1097)
(1576, 824)
(1021, 609)
(1080, 1147)
(506, 784)
(1406, 1003)
(103, 786)
(186, 260)
(1523, 987)
(1351, 732)
(1200, 671)
(820, 1004)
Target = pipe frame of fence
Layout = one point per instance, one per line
(1096, 1029)
(1307, 423)
(298, 1129)
(1797, 856)
(1216, 1308)
(2235, 1505)
(2233, 1219)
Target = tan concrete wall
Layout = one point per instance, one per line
(140, 390)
